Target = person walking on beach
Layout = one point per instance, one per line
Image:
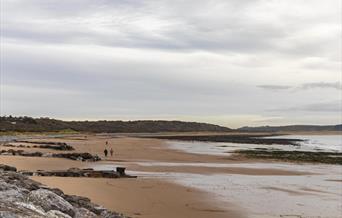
(105, 152)
(111, 152)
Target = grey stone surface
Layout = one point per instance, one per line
(48, 200)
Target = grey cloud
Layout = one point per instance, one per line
(322, 85)
(230, 26)
(330, 107)
(305, 86)
(105, 58)
(274, 87)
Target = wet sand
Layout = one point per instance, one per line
(145, 198)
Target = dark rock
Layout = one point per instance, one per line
(32, 154)
(62, 146)
(121, 170)
(21, 153)
(75, 172)
(73, 156)
(7, 168)
(26, 173)
(78, 156)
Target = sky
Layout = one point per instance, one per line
(228, 62)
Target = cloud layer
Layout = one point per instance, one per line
(228, 62)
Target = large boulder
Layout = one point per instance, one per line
(84, 213)
(57, 214)
(48, 200)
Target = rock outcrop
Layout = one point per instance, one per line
(59, 146)
(23, 197)
(73, 156)
(76, 172)
(78, 156)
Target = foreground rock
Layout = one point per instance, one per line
(23, 197)
(73, 156)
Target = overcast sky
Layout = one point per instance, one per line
(228, 62)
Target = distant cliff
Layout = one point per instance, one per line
(292, 128)
(29, 124)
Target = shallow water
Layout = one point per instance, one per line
(324, 142)
(306, 196)
(329, 143)
(318, 195)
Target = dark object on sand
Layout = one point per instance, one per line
(121, 171)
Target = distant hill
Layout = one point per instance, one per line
(292, 128)
(29, 124)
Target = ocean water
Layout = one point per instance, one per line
(329, 143)
(318, 142)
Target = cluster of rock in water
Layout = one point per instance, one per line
(23, 197)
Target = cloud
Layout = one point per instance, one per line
(217, 26)
(325, 107)
(168, 58)
(322, 85)
(274, 87)
(305, 86)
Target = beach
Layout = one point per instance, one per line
(173, 182)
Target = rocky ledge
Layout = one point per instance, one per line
(73, 156)
(76, 172)
(56, 146)
(23, 197)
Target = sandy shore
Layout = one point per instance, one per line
(146, 196)
(140, 197)
(143, 197)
